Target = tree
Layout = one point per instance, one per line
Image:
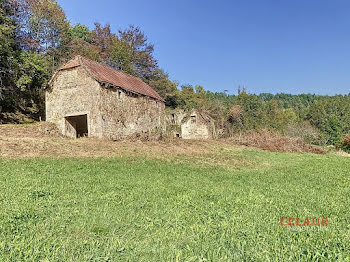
(8, 57)
(332, 117)
(23, 73)
(83, 48)
(79, 31)
(33, 76)
(186, 96)
(235, 117)
(120, 56)
(253, 113)
(42, 28)
(161, 83)
(143, 62)
(45, 24)
(103, 38)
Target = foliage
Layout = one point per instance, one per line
(32, 79)
(236, 115)
(36, 37)
(79, 31)
(346, 143)
(44, 25)
(161, 83)
(307, 132)
(252, 108)
(143, 62)
(332, 117)
(83, 48)
(102, 38)
(120, 56)
(8, 57)
(275, 142)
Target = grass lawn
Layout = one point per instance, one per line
(183, 209)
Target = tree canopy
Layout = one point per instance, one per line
(36, 37)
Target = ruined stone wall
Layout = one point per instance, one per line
(190, 124)
(74, 92)
(124, 114)
(196, 127)
(174, 120)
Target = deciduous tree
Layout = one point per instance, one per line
(143, 62)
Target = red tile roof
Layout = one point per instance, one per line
(106, 74)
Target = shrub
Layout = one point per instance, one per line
(307, 132)
(275, 142)
(346, 143)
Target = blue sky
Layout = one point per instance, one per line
(291, 46)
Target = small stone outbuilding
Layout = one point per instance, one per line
(86, 98)
(193, 124)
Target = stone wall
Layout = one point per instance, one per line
(124, 114)
(112, 113)
(73, 93)
(196, 127)
(190, 124)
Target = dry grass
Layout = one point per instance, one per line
(37, 130)
(43, 139)
(275, 142)
(342, 153)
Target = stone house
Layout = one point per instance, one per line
(191, 125)
(86, 98)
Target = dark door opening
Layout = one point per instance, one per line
(77, 126)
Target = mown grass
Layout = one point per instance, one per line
(138, 209)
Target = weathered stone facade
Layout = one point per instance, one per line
(75, 97)
(191, 125)
(129, 113)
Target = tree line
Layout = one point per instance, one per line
(36, 38)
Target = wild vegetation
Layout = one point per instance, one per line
(36, 38)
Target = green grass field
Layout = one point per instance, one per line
(139, 209)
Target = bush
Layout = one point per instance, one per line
(346, 143)
(15, 118)
(307, 132)
(275, 142)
